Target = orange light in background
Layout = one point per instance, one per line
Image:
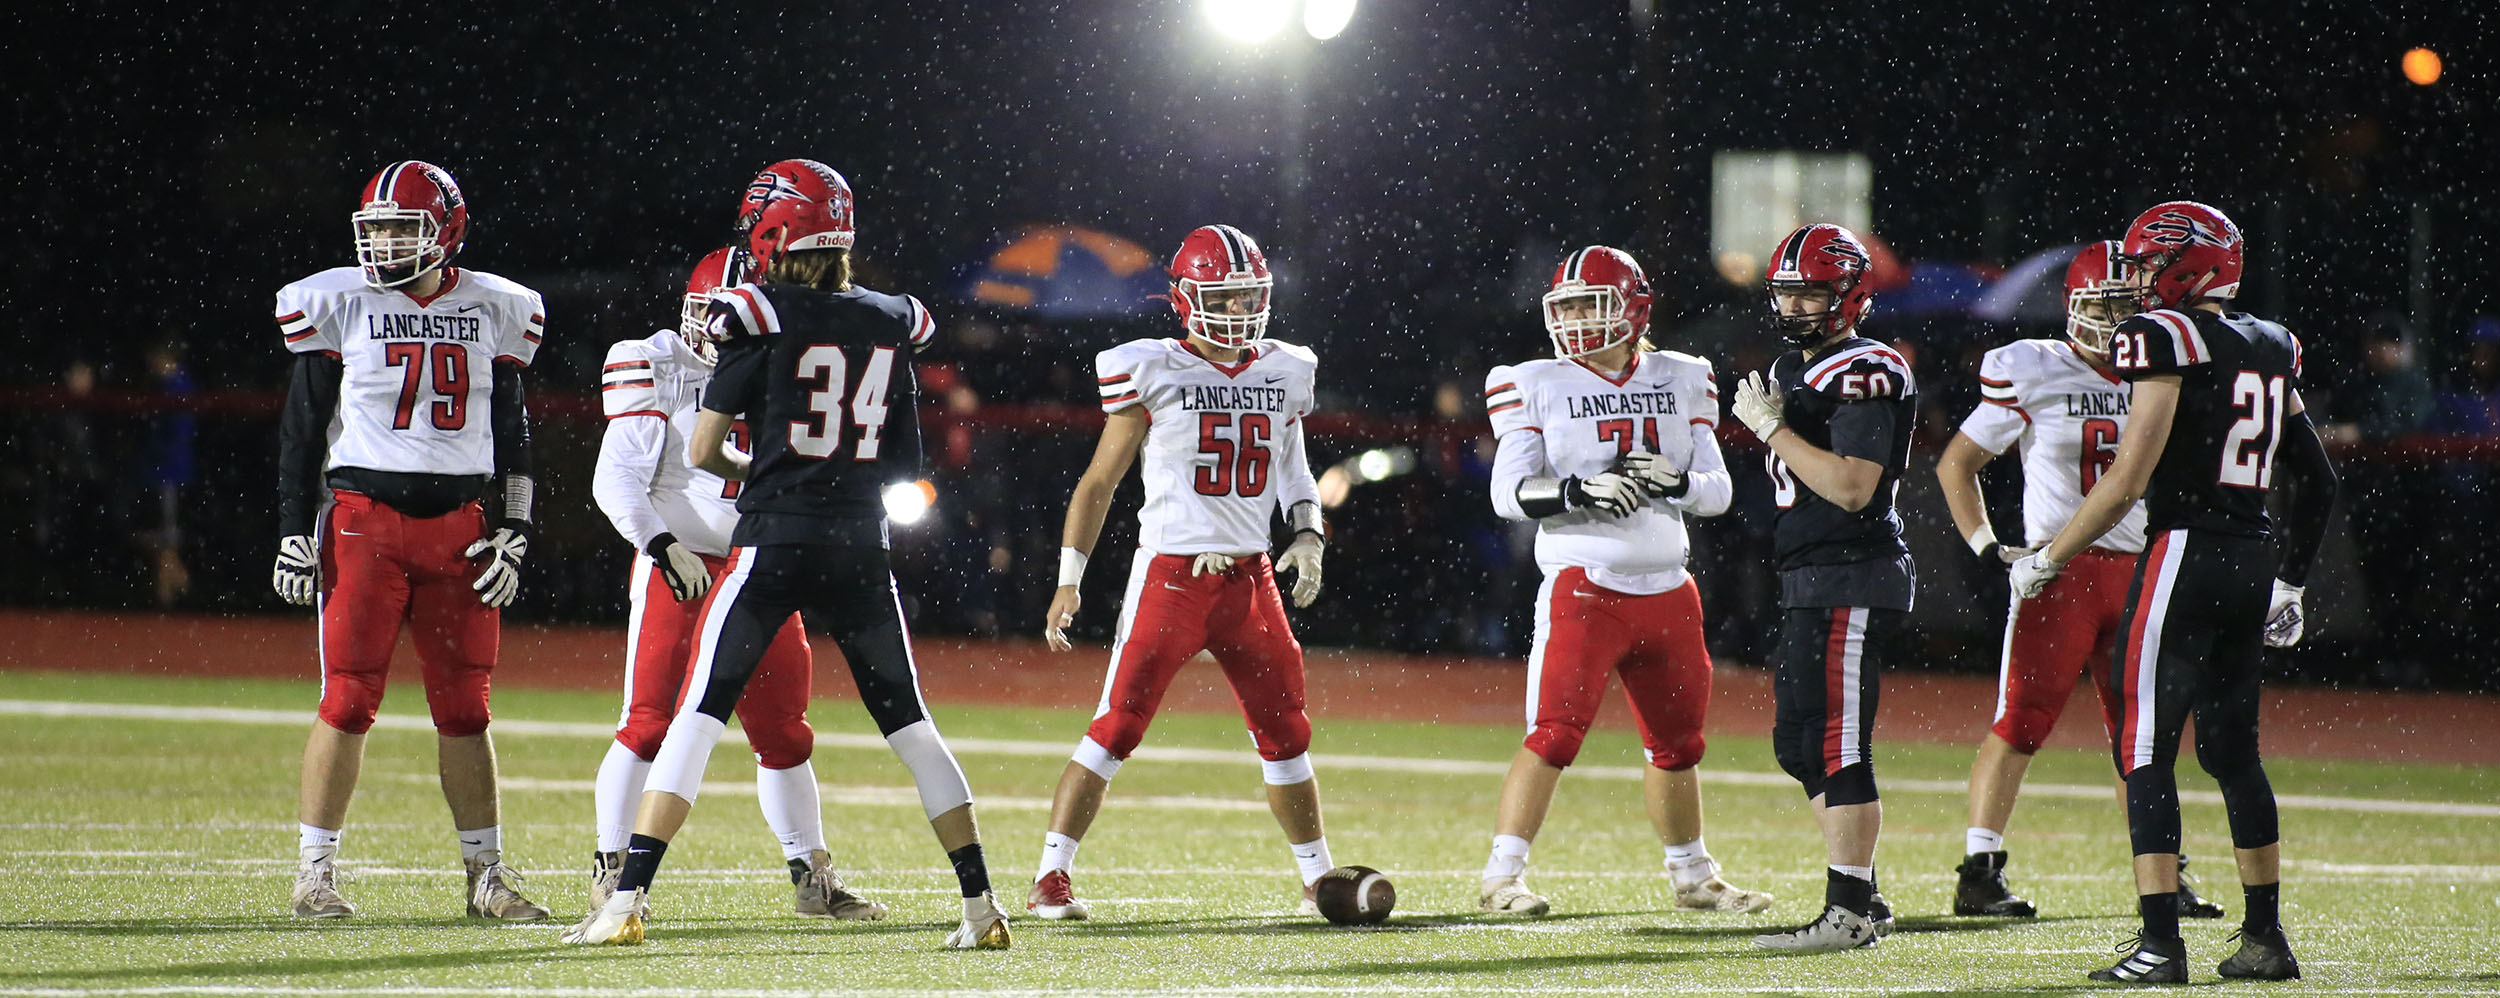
(2422, 67)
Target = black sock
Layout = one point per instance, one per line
(1848, 892)
(2265, 909)
(2161, 915)
(799, 871)
(971, 871)
(642, 861)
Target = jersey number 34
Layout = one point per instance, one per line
(825, 370)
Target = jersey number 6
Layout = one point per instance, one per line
(1247, 451)
(823, 371)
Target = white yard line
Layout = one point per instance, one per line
(1662, 987)
(1016, 747)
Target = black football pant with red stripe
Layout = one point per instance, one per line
(1824, 683)
(846, 590)
(2193, 642)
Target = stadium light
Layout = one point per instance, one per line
(1326, 19)
(907, 503)
(2422, 67)
(1249, 20)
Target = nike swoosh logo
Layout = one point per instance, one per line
(1276, 379)
(472, 842)
(470, 307)
(1577, 592)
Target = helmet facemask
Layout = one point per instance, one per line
(691, 318)
(1242, 318)
(1811, 328)
(1594, 327)
(2093, 313)
(390, 259)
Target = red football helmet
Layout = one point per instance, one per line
(410, 192)
(2097, 296)
(790, 222)
(718, 269)
(2191, 251)
(790, 178)
(1222, 260)
(1620, 296)
(1828, 258)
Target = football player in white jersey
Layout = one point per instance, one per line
(2062, 402)
(1218, 417)
(404, 407)
(680, 517)
(1608, 445)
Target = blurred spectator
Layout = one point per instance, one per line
(170, 465)
(2389, 398)
(77, 553)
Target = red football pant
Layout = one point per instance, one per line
(381, 568)
(1584, 631)
(661, 648)
(1171, 616)
(2052, 639)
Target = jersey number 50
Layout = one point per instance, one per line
(824, 371)
(1240, 464)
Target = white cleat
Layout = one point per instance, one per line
(1838, 929)
(1715, 894)
(616, 923)
(1511, 896)
(821, 894)
(493, 892)
(317, 892)
(984, 926)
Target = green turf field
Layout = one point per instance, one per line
(151, 851)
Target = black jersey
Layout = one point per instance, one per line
(825, 381)
(2236, 374)
(1855, 398)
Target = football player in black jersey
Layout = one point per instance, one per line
(2216, 406)
(822, 369)
(1836, 413)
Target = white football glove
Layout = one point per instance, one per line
(298, 576)
(1757, 405)
(1302, 559)
(2283, 620)
(1211, 563)
(501, 581)
(1606, 492)
(1653, 474)
(2033, 573)
(687, 577)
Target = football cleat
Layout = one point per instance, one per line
(1983, 892)
(492, 893)
(317, 893)
(821, 893)
(2147, 961)
(1310, 899)
(2192, 904)
(2266, 957)
(1509, 896)
(1879, 914)
(1838, 929)
(616, 923)
(984, 926)
(1054, 897)
(1716, 894)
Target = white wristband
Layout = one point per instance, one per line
(1982, 537)
(1072, 566)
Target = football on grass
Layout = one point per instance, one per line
(1354, 895)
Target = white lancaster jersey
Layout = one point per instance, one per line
(2068, 416)
(419, 380)
(651, 390)
(1225, 451)
(1559, 418)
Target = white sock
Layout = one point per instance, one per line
(1058, 854)
(1509, 858)
(1865, 873)
(1976, 840)
(792, 807)
(1690, 865)
(616, 795)
(316, 845)
(1312, 858)
(475, 842)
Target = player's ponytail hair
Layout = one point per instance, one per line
(822, 269)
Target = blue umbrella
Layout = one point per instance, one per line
(1066, 272)
(1934, 288)
(2034, 291)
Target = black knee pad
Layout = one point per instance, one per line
(2153, 810)
(1802, 764)
(1853, 784)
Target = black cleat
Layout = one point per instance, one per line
(1879, 914)
(2192, 904)
(1983, 891)
(2147, 961)
(2266, 957)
